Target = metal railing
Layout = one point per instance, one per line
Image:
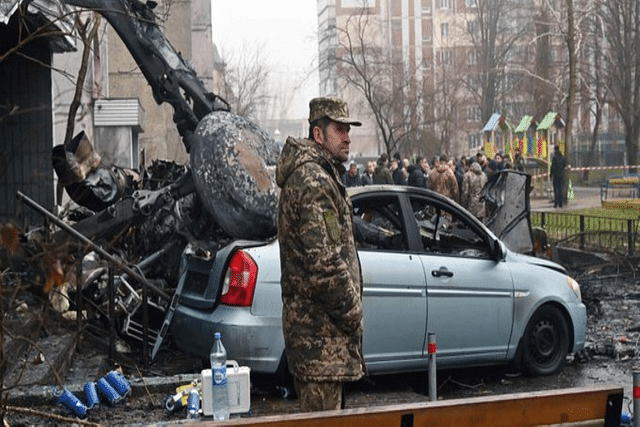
(589, 232)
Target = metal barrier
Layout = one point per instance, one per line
(589, 232)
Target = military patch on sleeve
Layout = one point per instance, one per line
(333, 228)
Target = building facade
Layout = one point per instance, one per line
(113, 74)
(451, 65)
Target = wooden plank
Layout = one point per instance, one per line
(563, 406)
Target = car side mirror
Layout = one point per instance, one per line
(497, 250)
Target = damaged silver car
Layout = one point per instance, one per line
(428, 266)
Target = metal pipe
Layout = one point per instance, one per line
(636, 399)
(95, 247)
(112, 310)
(431, 348)
(79, 298)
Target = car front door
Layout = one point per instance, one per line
(394, 292)
(469, 294)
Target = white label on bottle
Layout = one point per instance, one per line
(220, 375)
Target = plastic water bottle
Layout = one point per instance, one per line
(219, 379)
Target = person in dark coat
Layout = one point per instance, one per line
(351, 177)
(558, 164)
(398, 172)
(520, 163)
(382, 175)
(416, 177)
(367, 176)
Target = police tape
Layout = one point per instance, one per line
(589, 168)
(602, 168)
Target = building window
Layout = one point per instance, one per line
(444, 55)
(358, 3)
(471, 27)
(426, 7)
(475, 141)
(444, 4)
(426, 38)
(472, 57)
(473, 113)
(444, 30)
(471, 3)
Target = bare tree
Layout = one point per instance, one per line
(570, 40)
(447, 96)
(621, 63)
(562, 24)
(245, 80)
(388, 85)
(28, 33)
(87, 30)
(594, 90)
(496, 28)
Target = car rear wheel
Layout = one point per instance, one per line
(546, 342)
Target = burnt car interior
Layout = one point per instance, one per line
(378, 224)
(446, 232)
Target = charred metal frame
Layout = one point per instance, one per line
(170, 77)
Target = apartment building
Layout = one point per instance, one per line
(452, 71)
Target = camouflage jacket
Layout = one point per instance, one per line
(321, 282)
(472, 184)
(442, 180)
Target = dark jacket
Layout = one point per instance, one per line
(382, 175)
(558, 165)
(367, 179)
(399, 176)
(351, 181)
(416, 177)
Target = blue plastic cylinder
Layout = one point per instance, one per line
(193, 404)
(91, 394)
(107, 391)
(119, 382)
(72, 403)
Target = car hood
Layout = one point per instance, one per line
(540, 262)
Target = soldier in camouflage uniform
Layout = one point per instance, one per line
(322, 317)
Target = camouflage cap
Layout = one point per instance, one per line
(334, 108)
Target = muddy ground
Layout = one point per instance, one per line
(611, 292)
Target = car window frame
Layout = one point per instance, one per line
(449, 206)
(407, 232)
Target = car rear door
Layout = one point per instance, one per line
(469, 294)
(394, 293)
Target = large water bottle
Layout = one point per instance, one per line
(219, 379)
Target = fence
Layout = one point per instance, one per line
(589, 232)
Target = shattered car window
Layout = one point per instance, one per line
(443, 231)
(378, 224)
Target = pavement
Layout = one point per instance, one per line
(585, 197)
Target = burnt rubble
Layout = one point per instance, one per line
(119, 267)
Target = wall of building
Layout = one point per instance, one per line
(431, 36)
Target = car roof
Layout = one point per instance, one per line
(406, 189)
(388, 189)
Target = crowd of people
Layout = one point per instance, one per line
(461, 179)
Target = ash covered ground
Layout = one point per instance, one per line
(611, 292)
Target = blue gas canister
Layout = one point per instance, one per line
(107, 391)
(119, 383)
(91, 394)
(72, 403)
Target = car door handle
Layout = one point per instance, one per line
(442, 272)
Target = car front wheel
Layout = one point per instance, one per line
(546, 342)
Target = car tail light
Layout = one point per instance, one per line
(240, 280)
